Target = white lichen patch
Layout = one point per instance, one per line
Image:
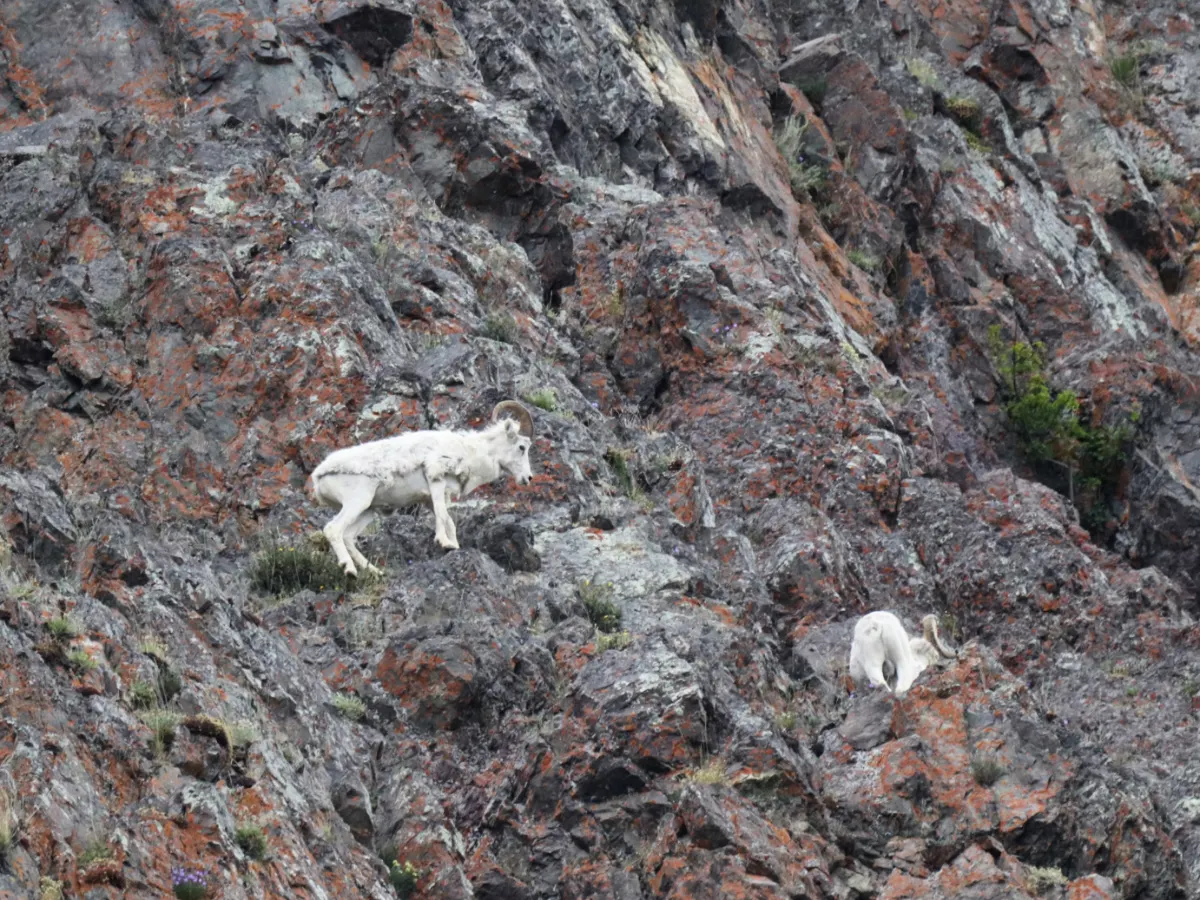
(674, 85)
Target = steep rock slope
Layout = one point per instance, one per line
(238, 235)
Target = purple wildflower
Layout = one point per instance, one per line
(189, 884)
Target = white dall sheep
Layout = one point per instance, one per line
(882, 648)
(428, 467)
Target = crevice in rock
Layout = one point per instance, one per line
(374, 33)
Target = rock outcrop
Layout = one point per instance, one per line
(748, 262)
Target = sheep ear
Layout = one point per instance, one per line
(512, 428)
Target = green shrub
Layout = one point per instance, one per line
(349, 706)
(806, 178)
(544, 398)
(785, 721)
(501, 326)
(50, 888)
(986, 770)
(283, 571)
(252, 839)
(404, 878)
(1048, 429)
(601, 611)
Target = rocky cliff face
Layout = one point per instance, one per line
(756, 266)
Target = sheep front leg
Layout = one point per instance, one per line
(443, 526)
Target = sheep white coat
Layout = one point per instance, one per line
(429, 467)
(881, 648)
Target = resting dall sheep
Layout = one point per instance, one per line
(882, 648)
(426, 467)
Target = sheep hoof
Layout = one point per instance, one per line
(447, 544)
(350, 570)
(374, 570)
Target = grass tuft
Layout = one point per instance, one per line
(618, 640)
(502, 327)
(252, 839)
(601, 611)
(349, 706)
(806, 178)
(81, 661)
(543, 398)
(63, 628)
(284, 571)
(987, 770)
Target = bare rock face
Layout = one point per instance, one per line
(745, 262)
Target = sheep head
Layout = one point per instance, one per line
(513, 453)
(929, 627)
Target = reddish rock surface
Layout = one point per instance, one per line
(234, 237)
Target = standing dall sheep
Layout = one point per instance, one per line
(882, 648)
(427, 467)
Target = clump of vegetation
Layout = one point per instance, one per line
(162, 724)
(1048, 428)
(785, 721)
(96, 851)
(242, 734)
(349, 706)
(189, 884)
(252, 839)
(618, 640)
(169, 683)
(712, 772)
(9, 825)
(1126, 70)
(81, 661)
(922, 71)
(976, 143)
(806, 178)
(814, 87)
(143, 695)
(966, 112)
(863, 260)
(601, 611)
(154, 648)
(63, 628)
(403, 878)
(501, 326)
(1039, 878)
(1191, 687)
(283, 571)
(986, 770)
(544, 398)
(50, 889)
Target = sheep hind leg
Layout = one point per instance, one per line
(355, 500)
(357, 527)
(443, 526)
